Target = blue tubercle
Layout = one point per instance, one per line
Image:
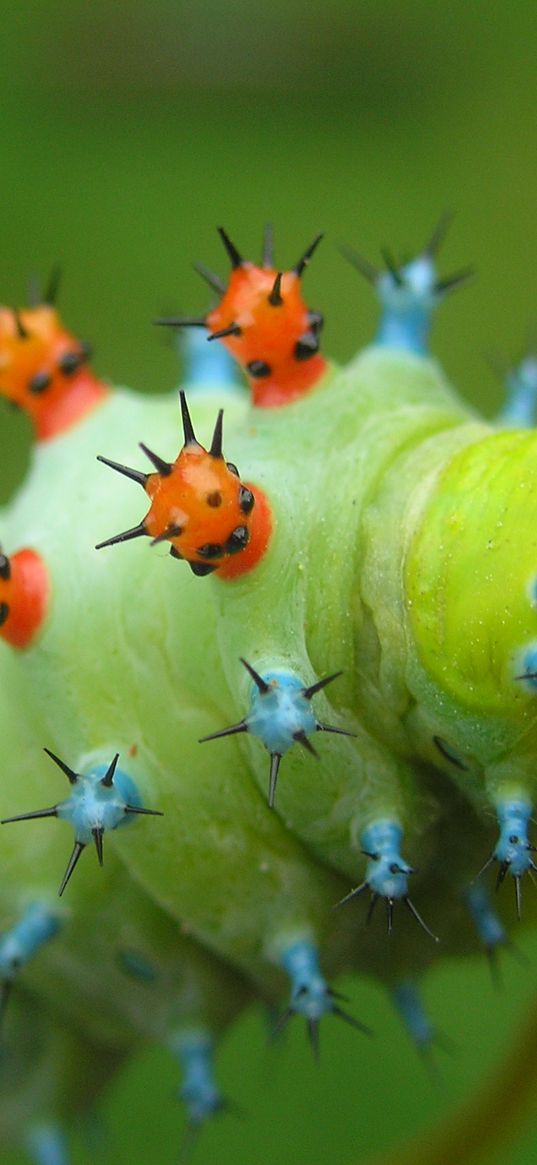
(95, 805)
(280, 715)
(424, 1035)
(387, 871)
(199, 1091)
(36, 926)
(100, 800)
(46, 1145)
(513, 851)
(408, 304)
(409, 1005)
(520, 408)
(311, 995)
(488, 925)
(408, 294)
(207, 366)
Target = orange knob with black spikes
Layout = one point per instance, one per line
(44, 368)
(263, 321)
(199, 504)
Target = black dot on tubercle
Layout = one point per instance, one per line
(4, 612)
(307, 345)
(246, 499)
(39, 383)
(210, 550)
(70, 362)
(258, 368)
(201, 568)
(315, 320)
(237, 540)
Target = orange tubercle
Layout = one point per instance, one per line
(84, 393)
(220, 521)
(212, 520)
(24, 594)
(277, 338)
(43, 370)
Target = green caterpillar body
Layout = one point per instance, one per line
(403, 554)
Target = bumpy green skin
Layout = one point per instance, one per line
(385, 492)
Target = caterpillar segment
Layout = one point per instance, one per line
(280, 890)
(488, 674)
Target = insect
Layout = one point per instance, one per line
(376, 475)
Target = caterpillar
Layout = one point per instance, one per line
(269, 697)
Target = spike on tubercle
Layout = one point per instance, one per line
(513, 851)
(44, 370)
(409, 293)
(199, 1090)
(213, 520)
(264, 323)
(102, 799)
(24, 594)
(311, 996)
(21, 941)
(46, 1144)
(280, 716)
(386, 873)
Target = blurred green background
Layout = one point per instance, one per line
(129, 129)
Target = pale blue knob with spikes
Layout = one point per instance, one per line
(311, 995)
(409, 293)
(100, 800)
(280, 715)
